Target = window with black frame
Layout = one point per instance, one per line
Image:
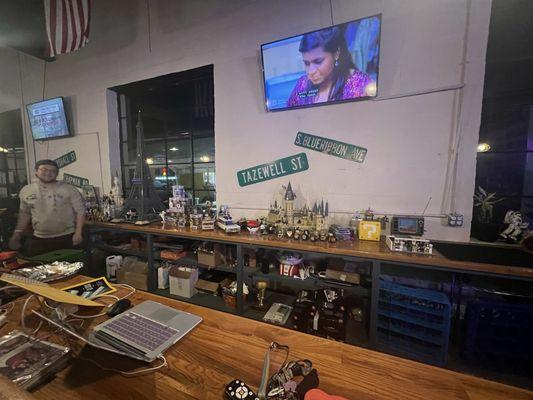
(178, 118)
(504, 173)
(12, 154)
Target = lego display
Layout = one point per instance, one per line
(515, 228)
(409, 245)
(116, 194)
(369, 230)
(225, 222)
(142, 197)
(285, 216)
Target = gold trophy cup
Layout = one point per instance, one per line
(261, 292)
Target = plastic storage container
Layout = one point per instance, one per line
(413, 323)
(500, 333)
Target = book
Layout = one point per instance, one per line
(27, 362)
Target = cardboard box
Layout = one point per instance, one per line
(182, 281)
(135, 279)
(343, 276)
(133, 272)
(210, 258)
(211, 287)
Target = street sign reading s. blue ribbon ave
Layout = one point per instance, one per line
(331, 147)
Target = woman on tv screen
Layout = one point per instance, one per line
(330, 72)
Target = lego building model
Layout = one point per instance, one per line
(285, 216)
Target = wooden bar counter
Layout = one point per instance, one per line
(224, 347)
(362, 249)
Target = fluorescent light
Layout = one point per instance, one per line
(483, 147)
(173, 148)
(3, 150)
(204, 159)
(149, 161)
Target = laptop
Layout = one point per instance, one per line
(145, 331)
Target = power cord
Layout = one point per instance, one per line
(133, 373)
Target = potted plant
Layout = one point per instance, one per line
(483, 227)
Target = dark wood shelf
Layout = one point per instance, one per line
(200, 299)
(359, 249)
(113, 249)
(311, 282)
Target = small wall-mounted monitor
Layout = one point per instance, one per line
(334, 64)
(48, 119)
(406, 225)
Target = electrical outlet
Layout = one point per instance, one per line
(455, 220)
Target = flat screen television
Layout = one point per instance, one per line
(330, 65)
(48, 119)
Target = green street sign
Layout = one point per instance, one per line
(275, 169)
(66, 159)
(75, 180)
(331, 147)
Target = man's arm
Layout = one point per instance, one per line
(77, 238)
(23, 221)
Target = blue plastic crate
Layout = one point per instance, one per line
(414, 322)
(499, 331)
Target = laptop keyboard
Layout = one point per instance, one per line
(140, 330)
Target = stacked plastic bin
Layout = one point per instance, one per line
(413, 323)
(499, 333)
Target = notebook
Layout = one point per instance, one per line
(144, 331)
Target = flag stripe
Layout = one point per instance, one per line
(67, 25)
(64, 26)
(74, 29)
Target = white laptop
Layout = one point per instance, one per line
(144, 331)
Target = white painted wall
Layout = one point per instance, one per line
(408, 139)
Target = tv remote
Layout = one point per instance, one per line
(238, 390)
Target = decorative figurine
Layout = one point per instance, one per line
(196, 219)
(515, 229)
(289, 264)
(116, 192)
(225, 222)
(208, 221)
(131, 214)
(253, 226)
(180, 206)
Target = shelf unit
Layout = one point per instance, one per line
(380, 261)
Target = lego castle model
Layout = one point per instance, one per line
(314, 219)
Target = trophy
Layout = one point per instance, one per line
(261, 292)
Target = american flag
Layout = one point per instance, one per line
(67, 25)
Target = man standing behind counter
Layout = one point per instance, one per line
(55, 210)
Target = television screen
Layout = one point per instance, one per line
(48, 119)
(334, 64)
